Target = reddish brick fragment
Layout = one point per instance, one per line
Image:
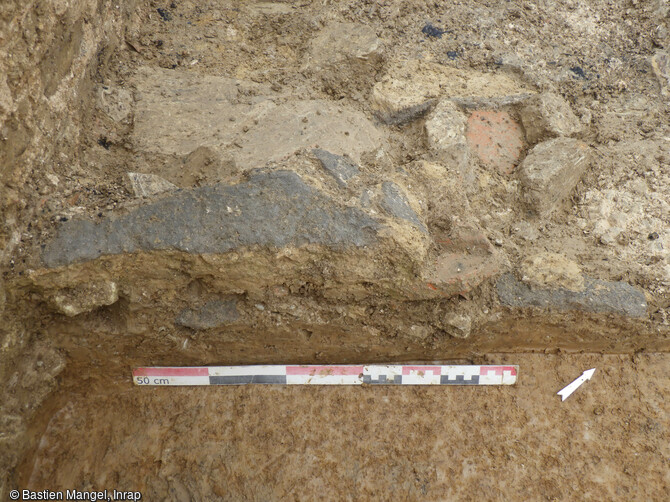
(496, 138)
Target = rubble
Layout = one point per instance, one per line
(445, 130)
(550, 171)
(548, 115)
(85, 297)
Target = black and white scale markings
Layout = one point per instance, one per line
(384, 374)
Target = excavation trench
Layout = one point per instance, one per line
(216, 183)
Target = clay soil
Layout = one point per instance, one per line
(608, 441)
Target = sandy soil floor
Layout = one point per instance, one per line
(608, 441)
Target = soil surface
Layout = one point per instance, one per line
(428, 117)
(608, 441)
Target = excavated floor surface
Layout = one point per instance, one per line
(608, 441)
(95, 430)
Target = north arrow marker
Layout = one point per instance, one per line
(569, 389)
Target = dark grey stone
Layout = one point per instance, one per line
(395, 202)
(597, 296)
(212, 314)
(339, 167)
(271, 209)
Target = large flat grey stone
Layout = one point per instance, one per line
(271, 209)
(597, 296)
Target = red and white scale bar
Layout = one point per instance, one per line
(384, 374)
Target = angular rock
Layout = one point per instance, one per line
(338, 43)
(459, 326)
(271, 209)
(177, 113)
(338, 166)
(548, 115)
(445, 129)
(552, 270)
(146, 185)
(419, 331)
(551, 171)
(394, 201)
(496, 138)
(212, 314)
(411, 88)
(597, 296)
(85, 297)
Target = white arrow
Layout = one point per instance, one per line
(569, 389)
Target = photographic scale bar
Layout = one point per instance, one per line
(372, 374)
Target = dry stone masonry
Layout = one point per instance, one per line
(302, 178)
